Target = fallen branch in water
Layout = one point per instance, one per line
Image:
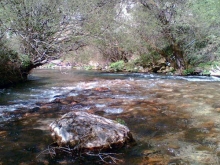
(104, 157)
(51, 150)
(107, 157)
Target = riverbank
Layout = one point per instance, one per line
(161, 68)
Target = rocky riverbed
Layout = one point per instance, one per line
(173, 120)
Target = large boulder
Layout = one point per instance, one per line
(81, 130)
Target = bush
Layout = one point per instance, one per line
(88, 67)
(188, 71)
(11, 67)
(145, 59)
(25, 60)
(117, 66)
(130, 67)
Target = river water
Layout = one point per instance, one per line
(174, 120)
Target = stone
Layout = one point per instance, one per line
(3, 134)
(57, 62)
(217, 109)
(82, 130)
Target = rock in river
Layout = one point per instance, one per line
(81, 130)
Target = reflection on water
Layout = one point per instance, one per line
(175, 120)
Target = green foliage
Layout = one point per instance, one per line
(121, 121)
(210, 64)
(7, 54)
(143, 60)
(25, 60)
(186, 31)
(147, 59)
(131, 67)
(37, 25)
(208, 50)
(172, 70)
(205, 65)
(205, 22)
(10, 65)
(181, 25)
(88, 67)
(188, 71)
(205, 72)
(117, 66)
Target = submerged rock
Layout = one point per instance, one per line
(81, 130)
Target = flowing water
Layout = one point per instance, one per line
(174, 120)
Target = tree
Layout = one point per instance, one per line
(105, 30)
(37, 26)
(44, 27)
(40, 31)
(36, 32)
(206, 20)
(162, 31)
(174, 29)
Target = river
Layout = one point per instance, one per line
(174, 120)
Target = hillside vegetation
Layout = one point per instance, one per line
(168, 36)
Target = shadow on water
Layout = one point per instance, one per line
(173, 121)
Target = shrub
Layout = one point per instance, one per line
(10, 66)
(130, 67)
(25, 60)
(117, 66)
(188, 71)
(145, 59)
(88, 67)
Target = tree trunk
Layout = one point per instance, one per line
(179, 57)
